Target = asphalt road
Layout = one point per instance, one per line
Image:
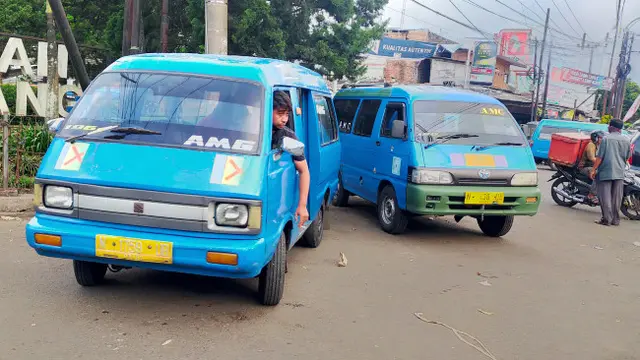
(561, 287)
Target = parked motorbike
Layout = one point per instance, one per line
(571, 187)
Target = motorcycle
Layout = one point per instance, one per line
(571, 187)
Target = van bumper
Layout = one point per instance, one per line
(449, 200)
(189, 253)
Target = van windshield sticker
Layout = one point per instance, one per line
(220, 143)
(492, 111)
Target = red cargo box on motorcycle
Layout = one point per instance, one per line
(567, 148)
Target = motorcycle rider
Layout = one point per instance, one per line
(588, 159)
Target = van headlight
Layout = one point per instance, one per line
(525, 179)
(236, 215)
(58, 197)
(424, 176)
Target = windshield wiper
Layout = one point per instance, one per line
(506, 143)
(123, 131)
(444, 139)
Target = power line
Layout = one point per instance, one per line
(420, 20)
(565, 19)
(449, 18)
(465, 16)
(536, 21)
(544, 11)
(575, 17)
(533, 12)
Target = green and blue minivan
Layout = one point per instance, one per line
(427, 150)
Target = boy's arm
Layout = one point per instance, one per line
(302, 214)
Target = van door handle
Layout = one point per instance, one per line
(378, 143)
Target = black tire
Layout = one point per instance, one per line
(635, 197)
(496, 226)
(88, 273)
(556, 197)
(391, 218)
(341, 199)
(271, 282)
(313, 236)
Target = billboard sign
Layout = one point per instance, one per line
(578, 77)
(514, 44)
(484, 62)
(404, 49)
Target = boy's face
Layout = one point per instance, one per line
(280, 118)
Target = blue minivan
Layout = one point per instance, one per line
(166, 163)
(541, 138)
(428, 150)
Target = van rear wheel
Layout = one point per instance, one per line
(271, 281)
(391, 218)
(341, 199)
(495, 226)
(88, 273)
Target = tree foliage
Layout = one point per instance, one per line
(631, 93)
(328, 36)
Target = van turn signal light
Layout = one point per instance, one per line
(51, 240)
(222, 258)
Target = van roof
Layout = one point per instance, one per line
(418, 92)
(569, 123)
(268, 72)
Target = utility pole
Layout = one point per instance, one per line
(404, 9)
(126, 27)
(546, 84)
(584, 38)
(544, 40)
(164, 27)
(52, 66)
(215, 19)
(70, 42)
(624, 69)
(591, 58)
(613, 50)
(535, 71)
(135, 28)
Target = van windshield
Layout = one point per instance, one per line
(465, 123)
(171, 110)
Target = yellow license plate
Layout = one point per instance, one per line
(122, 248)
(483, 198)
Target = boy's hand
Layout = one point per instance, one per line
(302, 215)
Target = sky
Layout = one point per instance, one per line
(596, 17)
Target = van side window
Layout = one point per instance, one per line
(328, 129)
(346, 110)
(393, 113)
(366, 117)
(291, 123)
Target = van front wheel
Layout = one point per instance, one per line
(391, 218)
(271, 282)
(496, 226)
(313, 236)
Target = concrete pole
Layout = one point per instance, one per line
(135, 28)
(215, 16)
(546, 85)
(467, 72)
(404, 10)
(534, 104)
(5, 151)
(164, 27)
(544, 42)
(70, 42)
(126, 27)
(53, 83)
(613, 50)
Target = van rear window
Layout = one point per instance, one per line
(188, 111)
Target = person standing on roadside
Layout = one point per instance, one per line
(611, 161)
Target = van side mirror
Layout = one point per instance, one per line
(54, 125)
(292, 146)
(398, 129)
